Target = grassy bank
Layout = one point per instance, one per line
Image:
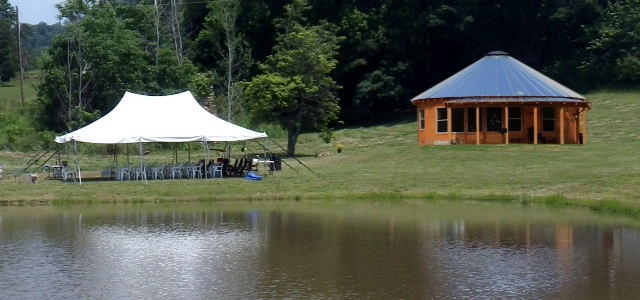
(384, 162)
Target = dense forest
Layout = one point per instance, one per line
(308, 65)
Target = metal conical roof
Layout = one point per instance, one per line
(498, 75)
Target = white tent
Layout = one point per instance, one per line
(173, 118)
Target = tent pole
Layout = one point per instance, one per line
(205, 146)
(142, 169)
(245, 149)
(75, 151)
(66, 150)
(189, 152)
(175, 154)
(266, 144)
(128, 162)
(115, 155)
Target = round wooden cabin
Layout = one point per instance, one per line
(499, 100)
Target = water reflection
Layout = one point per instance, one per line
(321, 251)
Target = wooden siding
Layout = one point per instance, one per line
(430, 136)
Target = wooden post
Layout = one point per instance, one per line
(584, 128)
(477, 125)
(561, 125)
(535, 125)
(449, 125)
(506, 125)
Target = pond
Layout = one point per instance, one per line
(323, 250)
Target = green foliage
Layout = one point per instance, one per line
(8, 47)
(82, 117)
(392, 51)
(100, 55)
(223, 49)
(380, 92)
(170, 76)
(272, 130)
(90, 67)
(200, 86)
(296, 90)
(35, 41)
(612, 53)
(326, 135)
(19, 131)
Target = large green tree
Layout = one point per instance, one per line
(295, 89)
(9, 65)
(107, 48)
(90, 66)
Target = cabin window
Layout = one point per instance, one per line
(421, 119)
(515, 119)
(471, 120)
(457, 119)
(494, 118)
(549, 119)
(441, 119)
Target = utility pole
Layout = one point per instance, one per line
(20, 56)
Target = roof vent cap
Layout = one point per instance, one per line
(497, 53)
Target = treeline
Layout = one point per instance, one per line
(389, 51)
(34, 39)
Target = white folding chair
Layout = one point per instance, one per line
(176, 171)
(123, 172)
(216, 171)
(139, 173)
(68, 173)
(158, 172)
(194, 172)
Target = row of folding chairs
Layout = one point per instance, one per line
(178, 171)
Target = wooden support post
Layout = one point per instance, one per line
(584, 128)
(449, 125)
(535, 125)
(477, 125)
(561, 125)
(506, 125)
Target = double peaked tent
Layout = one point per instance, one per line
(173, 118)
(498, 100)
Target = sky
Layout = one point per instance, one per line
(36, 11)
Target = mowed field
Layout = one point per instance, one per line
(384, 163)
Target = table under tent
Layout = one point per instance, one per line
(140, 119)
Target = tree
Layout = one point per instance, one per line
(613, 55)
(89, 67)
(230, 53)
(107, 48)
(295, 89)
(9, 64)
(35, 41)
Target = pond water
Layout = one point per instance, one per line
(296, 250)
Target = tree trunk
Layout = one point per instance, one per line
(292, 139)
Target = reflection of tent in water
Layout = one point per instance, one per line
(500, 100)
(174, 118)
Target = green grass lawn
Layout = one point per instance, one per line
(10, 94)
(385, 163)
